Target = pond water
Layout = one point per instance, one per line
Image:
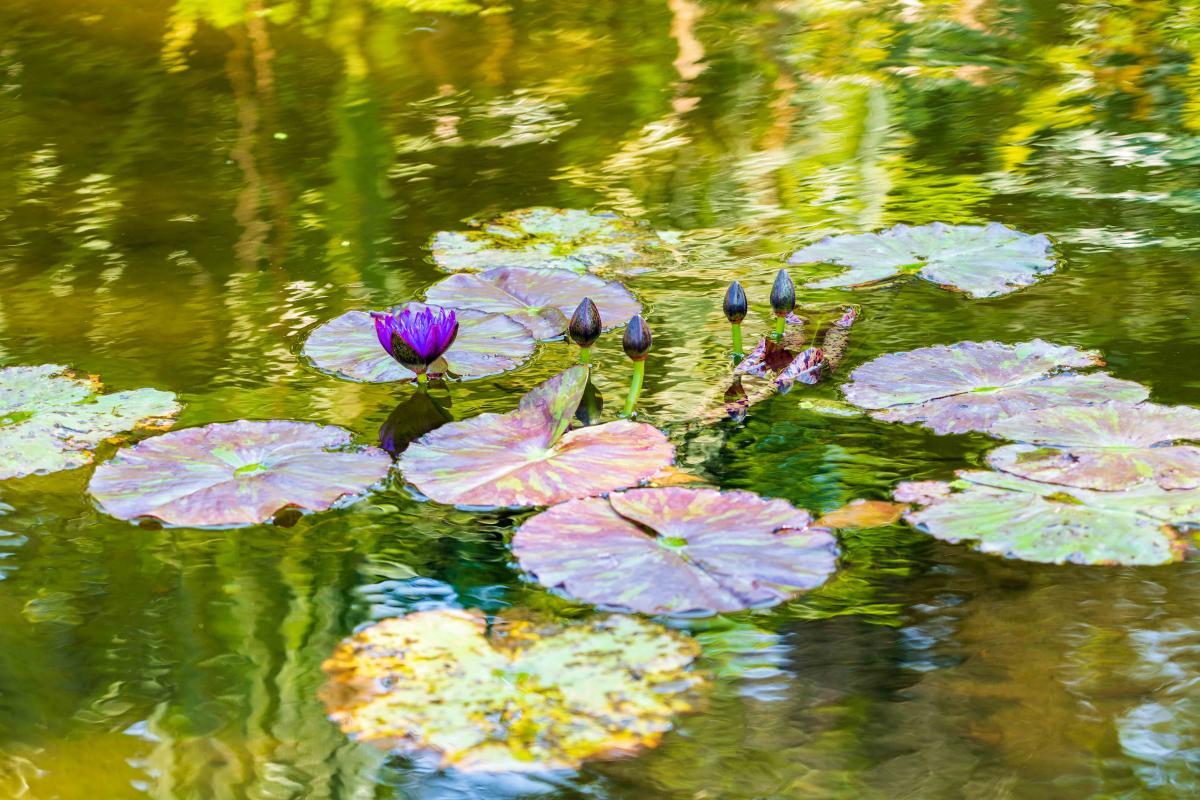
(189, 188)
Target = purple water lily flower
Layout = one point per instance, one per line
(416, 339)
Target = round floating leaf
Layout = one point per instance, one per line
(487, 344)
(1110, 446)
(540, 299)
(970, 385)
(675, 550)
(551, 238)
(981, 260)
(527, 458)
(520, 697)
(1034, 521)
(50, 418)
(236, 473)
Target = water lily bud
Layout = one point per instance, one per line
(783, 294)
(585, 323)
(735, 303)
(637, 339)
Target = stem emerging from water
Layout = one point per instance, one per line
(779, 323)
(422, 380)
(737, 342)
(585, 356)
(635, 387)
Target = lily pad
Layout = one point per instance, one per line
(676, 550)
(527, 457)
(51, 418)
(1110, 446)
(487, 344)
(518, 697)
(980, 260)
(547, 238)
(1033, 521)
(540, 299)
(236, 473)
(969, 386)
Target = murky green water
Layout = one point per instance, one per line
(186, 189)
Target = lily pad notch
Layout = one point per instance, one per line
(979, 260)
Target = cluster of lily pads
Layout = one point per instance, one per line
(1094, 476)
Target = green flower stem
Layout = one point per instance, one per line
(422, 380)
(635, 387)
(585, 356)
(737, 341)
(779, 323)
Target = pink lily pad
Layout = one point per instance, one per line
(487, 344)
(1110, 446)
(969, 386)
(527, 457)
(676, 550)
(540, 299)
(236, 473)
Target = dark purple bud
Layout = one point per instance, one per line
(416, 338)
(735, 303)
(783, 294)
(637, 339)
(585, 323)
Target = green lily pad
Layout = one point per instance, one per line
(546, 238)
(969, 386)
(51, 418)
(542, 300)
(1109, 446)
(487, 344)
(237, 473)
(1019, 518)
(527, 457)
(980, 260)
(518, 696)
(676, 550)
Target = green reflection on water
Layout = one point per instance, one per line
(189, 187)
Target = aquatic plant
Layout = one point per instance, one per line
(486, 344)
(236, 473)
(416, 338)
(980, 260)
(506, 695)
(540, 299)
(783, 300)
(969, 386)
(584, 328)
(51, 417)
(636, 343)
(677, 550)
(735, 308)
(528, 457)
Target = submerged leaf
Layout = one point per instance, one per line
(1024, 519)
(51, 419)
(1110, 446)
(526, 457)
(981, 260)
(236, 473)
(520, 698)
(863, 514)
(487, 344)
(676, 550)
(548, 238)
(542, 300)
(969, 386)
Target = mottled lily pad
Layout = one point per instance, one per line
(980, 260)
(527, 457)
(540, 299)
(548, 238)
(969, 386)
(487, 344)
(1034, 521)
(516, 697)
(676, 550)
(236, 473)
(1110, 446)
(50, 418)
